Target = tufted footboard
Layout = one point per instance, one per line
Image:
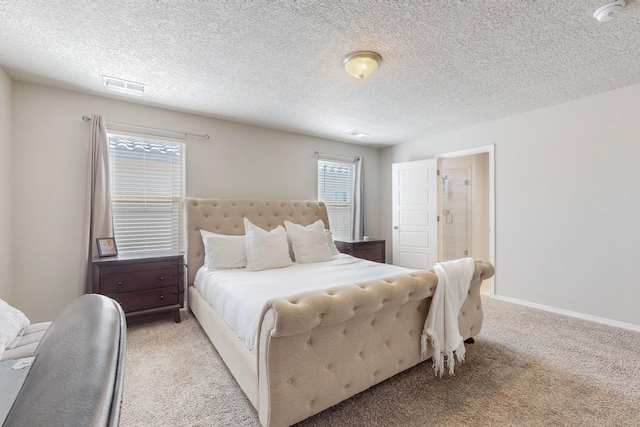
(319, 348)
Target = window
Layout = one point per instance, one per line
(147, 192)
(335, 188)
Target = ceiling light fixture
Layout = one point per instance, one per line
(357, 134)
(361, 64)
(608, 11)
(124, 86)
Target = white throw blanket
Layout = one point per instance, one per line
(441, 326)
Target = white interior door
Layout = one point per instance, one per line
(415, 213)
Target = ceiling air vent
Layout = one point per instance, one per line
(124, 86)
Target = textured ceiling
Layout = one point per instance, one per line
(277, 63)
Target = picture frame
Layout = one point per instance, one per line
(106, 246)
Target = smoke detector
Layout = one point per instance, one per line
(608, 11)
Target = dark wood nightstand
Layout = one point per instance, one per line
(143, 284)
(371, 249)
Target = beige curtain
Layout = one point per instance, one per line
(98, 218)
(358, 201)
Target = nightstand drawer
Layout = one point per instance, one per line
(138, 280)
(141, 266)
(372, 252)
(143, 300)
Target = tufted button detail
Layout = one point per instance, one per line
(327, 367)
(344, 332)
(290, 380)
(309, 341)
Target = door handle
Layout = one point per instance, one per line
(395, 227)
(448, 216)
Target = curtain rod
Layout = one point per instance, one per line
(336, 156)
(205, 136)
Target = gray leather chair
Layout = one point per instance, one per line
(77, 376)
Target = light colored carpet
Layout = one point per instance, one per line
(527, 368)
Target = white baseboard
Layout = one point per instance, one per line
(582, 316)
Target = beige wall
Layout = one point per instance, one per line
(6, 254)
(50, 143)
(567, 202)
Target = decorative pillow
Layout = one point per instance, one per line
(222, 251)
(309, 243)
(207, 251)
(331, 243)
(266, 249)
(12, 321)
(226, 251)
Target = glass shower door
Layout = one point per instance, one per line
(456, 213)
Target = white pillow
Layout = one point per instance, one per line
(266, 249)
(226, 252)
(12, 321)
(207, 251)
(331, 243)
(309, 243)
(222, 251)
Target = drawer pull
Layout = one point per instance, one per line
(120, 282)
(161, 296)
(161, 277)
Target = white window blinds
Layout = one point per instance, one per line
(147, 192)
(335, 188)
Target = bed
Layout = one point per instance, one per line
(315, 348)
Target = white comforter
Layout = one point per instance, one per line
(239, 295)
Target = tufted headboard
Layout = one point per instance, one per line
(224, 216)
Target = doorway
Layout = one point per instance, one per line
(466, 207)
(417, 216)
(455, 215)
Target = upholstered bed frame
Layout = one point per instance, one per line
(321, 347)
